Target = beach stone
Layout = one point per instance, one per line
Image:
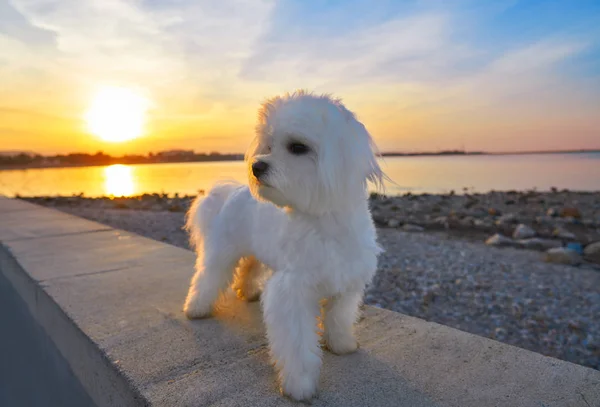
(544, 220)
(576, 247)
(494, 212)
(412, 228)
(523, 232)
(570, 212)
(563, 233)
(471, 202)
(592, 252)
(539, 244)
(480, 223)
(441, 220)
(175, 208)
(500, 333)
(393, 223)
(499, 240)
(562, 255)
(478, 213)
(507, 219)
(467, 221)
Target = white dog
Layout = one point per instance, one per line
(306, 217)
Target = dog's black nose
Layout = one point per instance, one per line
(259, 168)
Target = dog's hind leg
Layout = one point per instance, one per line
(247, 281)
(290, 311)
(340, 314)
(214, 272)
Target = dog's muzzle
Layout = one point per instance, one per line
(259, 168)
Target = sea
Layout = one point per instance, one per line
(417, 175)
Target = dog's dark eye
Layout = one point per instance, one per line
(297, 148)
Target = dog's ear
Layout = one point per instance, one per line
(367, 151)
(374, 173)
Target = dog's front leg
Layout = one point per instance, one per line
(340, 314)
(214, 272)
(291, 310)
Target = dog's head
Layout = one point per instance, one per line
(311, 154)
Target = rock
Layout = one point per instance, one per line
(441, 220)
(507, 219)
(544, 220)
(539, 244)
(436, 209)
(175, 208)
(478, 213)
(563, 233)
(552, 212)
(467, 221)
(562, 255)
(500, 333)
(480, 223)
(570, 212)
(523, 232)
(412, 228)
(470, 203)
(494, 212)
(499, 240)
(572, 220)
(576, 247)
(393, 223)
(592, 252)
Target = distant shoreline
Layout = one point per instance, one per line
(240, 158)
(459, 153)
(37, 167)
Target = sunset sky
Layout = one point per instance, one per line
(422, 75)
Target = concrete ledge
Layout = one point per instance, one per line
(111, 303)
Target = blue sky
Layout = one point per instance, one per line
(492, 75)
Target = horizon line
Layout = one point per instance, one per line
(13, 153)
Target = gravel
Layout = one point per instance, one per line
(507, 294)
(501, 293)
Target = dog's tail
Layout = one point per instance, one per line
(204, 210)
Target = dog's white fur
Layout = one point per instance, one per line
(308, 220)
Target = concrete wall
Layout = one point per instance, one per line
(32, 371)
(110, 301)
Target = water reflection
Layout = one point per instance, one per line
(415, 174)
(118, 180)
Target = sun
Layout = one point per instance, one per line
(117, 114)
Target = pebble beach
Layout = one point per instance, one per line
(519, 267)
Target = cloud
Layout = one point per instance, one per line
(402, 49)
(198, 43)
(410, 67)
(15, 25)
(537, 56)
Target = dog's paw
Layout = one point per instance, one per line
(246, 285)
(341, 345)
(300, 388)
(249, 294)
(194, 309)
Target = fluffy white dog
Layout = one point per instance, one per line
(305, 216)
